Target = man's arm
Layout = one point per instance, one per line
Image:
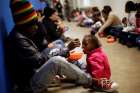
(28, 52)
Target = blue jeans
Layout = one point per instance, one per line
(58, 49)
(58, 66)
(58, 44)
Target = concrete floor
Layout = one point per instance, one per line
(124, 61)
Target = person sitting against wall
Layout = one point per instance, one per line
(54, 26)
(86, 21)
(130, 9)
(27, 65)
(98, 22)
(130, 33)
(112, 24)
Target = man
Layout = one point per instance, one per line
(26, 62)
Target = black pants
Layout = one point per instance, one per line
(114, 31)
(128, 38)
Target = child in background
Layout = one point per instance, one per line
(124, 22)
(130, 8)
(131, 32)
(97, 19)
(126, 27)
(97, 64)
(86, 18)
(138, 18)
(77, 16)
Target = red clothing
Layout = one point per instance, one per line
(98, 65)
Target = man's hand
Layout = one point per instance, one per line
(60, 24)
(74, 43)
(60, 77)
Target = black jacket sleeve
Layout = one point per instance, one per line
(28, 53)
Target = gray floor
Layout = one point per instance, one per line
(125, 65)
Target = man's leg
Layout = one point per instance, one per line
(58, 66)
(58, 44)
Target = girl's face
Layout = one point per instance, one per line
(87, 45)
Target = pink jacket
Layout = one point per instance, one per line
(98, 65)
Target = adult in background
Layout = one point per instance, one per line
(53, 24)
(112, 24)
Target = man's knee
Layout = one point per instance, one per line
(57, 59)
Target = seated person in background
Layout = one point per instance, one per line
(97, 19)
(87, 18)
(97, 64)
(126, 26)
(112, 24)
(132, 31)
(124, 22)
(138, 20)
(78, 16)
(26, 63)
(130, 8)
(53, 24)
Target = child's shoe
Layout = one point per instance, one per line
(107, 85)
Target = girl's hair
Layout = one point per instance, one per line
(130, 6)
(94, 40)
(95, 9)
(107, 9)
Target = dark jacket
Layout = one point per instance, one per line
(53, 33)
(23, 55)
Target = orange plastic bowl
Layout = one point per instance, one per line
(111, 39)
(74, 55)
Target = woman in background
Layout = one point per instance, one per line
(112, 25)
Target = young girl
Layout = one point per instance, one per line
(97, 64)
